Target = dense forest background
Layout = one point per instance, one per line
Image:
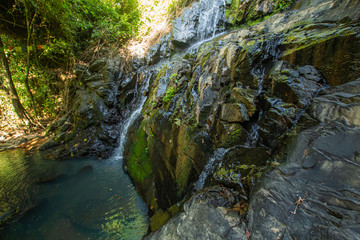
(42, 40)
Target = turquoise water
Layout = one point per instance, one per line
(97, 203)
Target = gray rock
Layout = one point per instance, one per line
(205, 105)
(234, 112)
(128, 82)
(165, 46)
(153, 54)
(328, 184)
(205, 216)
(340, 103)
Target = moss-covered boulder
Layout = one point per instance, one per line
(170, 155)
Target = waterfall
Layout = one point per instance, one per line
(218, 156)
(128, 122)
(253, 135)
(266, 52)
(207, 23)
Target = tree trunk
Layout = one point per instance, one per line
(18, 107)
(28, 26)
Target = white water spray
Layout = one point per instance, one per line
(218, 156)
(124, 128)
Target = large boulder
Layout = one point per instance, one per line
(338, 103)
(212, 214)
(315, 193)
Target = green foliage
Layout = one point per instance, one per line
(174, 77)
(236, 134)
(82, 21)
(283, 4)
(43, 84)
(176, 7)
(170, 93)
(71, 27)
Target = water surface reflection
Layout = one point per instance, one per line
(68, 199)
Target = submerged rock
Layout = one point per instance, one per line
(50, 178)
(85, 169)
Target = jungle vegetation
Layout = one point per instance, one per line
(42, 40)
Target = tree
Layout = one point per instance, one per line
(12, 93)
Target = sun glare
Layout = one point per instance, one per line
(155, 22)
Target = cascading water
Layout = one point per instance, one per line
(136, 112)
(208, 24)
(264, 55)
(203, 21)
(253, 135)
(218, 156)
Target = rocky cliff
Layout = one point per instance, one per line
(236, 89)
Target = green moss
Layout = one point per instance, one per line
(70, 136)
(139, 164)
(235, 13)
(174, 78)
(258, 20)
(283, 4)
(183, 170)
(238, 174)
(170, 93)
(203, 59)
(159, 219)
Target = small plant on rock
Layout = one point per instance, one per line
(174, 77)
(170, 93)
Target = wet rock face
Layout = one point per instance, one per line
(288, 92)
(336, 56)
(246, 90)
(90, 128)
(321, 169)
(201, 21)
(176, 155)
(242, 11)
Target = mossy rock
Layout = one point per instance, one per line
(241, 165)
(229, 134)
(139, 163)
(246, 97)
(159, 219)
